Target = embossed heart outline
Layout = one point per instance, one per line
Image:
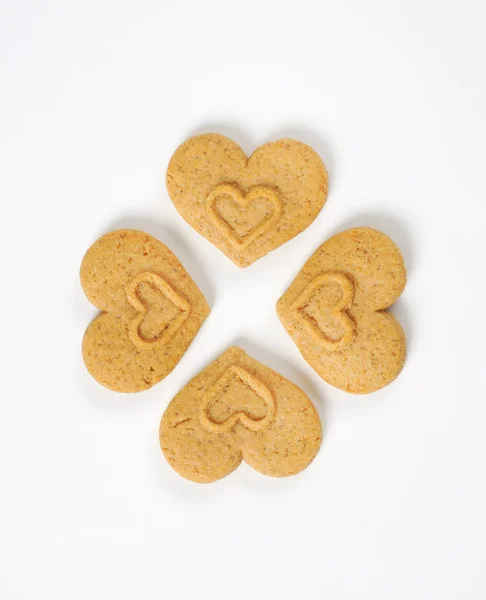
(338, 311)
(164, 288)
(258, 191)
(218, 388)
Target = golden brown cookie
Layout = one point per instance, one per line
(246, 206)
(239, 409)
(335, 310)
(152, 310)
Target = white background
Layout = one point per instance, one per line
(95, 97)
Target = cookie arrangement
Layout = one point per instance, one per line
(334, 311)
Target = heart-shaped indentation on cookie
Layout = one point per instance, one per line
(237, 396)
(241, 218)
(324, 315)
(161, 311)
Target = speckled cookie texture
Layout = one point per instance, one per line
(246, 206)
(238, 409)
(335, 310)
(151, 310)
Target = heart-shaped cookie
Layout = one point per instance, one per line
(282, 187)
(334, 310)
(151, 310)
(238, 409)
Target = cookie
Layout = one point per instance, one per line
(151, 310)
(335, 310)
(238, 409)
(246, 206)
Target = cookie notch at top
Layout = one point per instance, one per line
(246, 206)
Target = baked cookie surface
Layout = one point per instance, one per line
(238, 409)
(246, 206)
(151, 310)
(334, 310)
